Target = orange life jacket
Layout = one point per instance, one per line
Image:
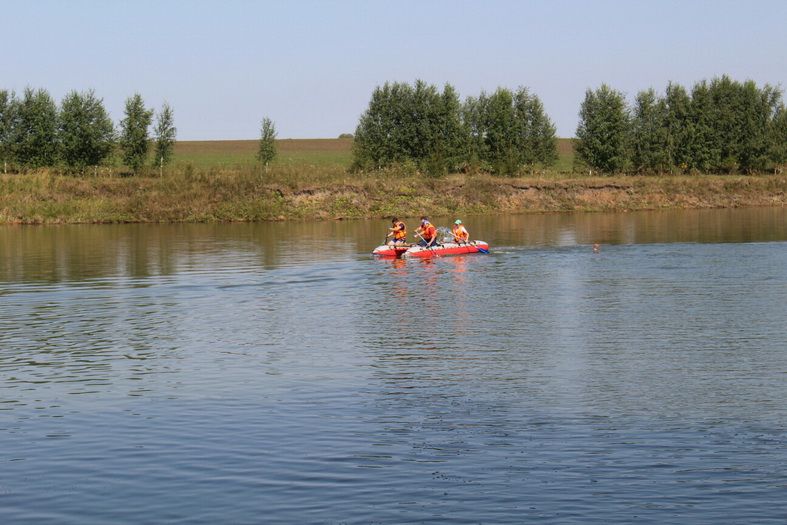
(429, 232)
(400, 233)
(460, 233)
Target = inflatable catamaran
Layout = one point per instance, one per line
(422, 252)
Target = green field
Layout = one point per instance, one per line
(291, 152)
(298, 152)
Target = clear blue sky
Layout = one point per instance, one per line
(311, 66)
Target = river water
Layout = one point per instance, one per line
(276, 373)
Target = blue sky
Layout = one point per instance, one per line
(311, 66)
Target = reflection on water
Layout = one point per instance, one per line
(74, 253)
(218, 372)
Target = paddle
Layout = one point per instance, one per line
(429, 246)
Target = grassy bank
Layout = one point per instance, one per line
(220, 181)
(188, 194)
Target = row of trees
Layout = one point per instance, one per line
(501, 132)
(720, 126)
(35, 132)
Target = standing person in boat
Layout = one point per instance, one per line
(461, 236)
(398, 231)
(427, 232)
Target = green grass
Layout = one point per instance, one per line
(220, 181)
(239, 153)
(300, 152)
(565, 156)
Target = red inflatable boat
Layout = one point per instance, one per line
(414, 251)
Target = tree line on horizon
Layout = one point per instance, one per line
(78, 134)
(720, 126)
(432, 130)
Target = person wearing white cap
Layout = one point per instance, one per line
(427, 232)
(461, 235)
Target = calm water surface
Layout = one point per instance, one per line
(276, 373)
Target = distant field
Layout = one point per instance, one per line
(224, 153)
(312, 152)
(565, 155)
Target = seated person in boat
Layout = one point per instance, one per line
(427, 232)
(461, 236)
(398, 231)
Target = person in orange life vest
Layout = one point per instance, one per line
(398, 232)
(460, 233)
(428, 233)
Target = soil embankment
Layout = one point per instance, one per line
(248, 196)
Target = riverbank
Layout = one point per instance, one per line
(291, 193)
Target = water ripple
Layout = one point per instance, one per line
(206, 381)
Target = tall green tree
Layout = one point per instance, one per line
(730, 125)
(422, 106)
(538, 142)
(508, 130)
(473, 111)
(649, 133)
(502, 132)
(604, 130)
(725, 122)
(415, 123)
(134, 139)
(384, 133)
(34, 131)
(8, 111)
(678, 127)
(778, 137)
(756, 109)
(445, 135)
(85, 130)
(164, 133)
(267, 147)
(705, 148)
